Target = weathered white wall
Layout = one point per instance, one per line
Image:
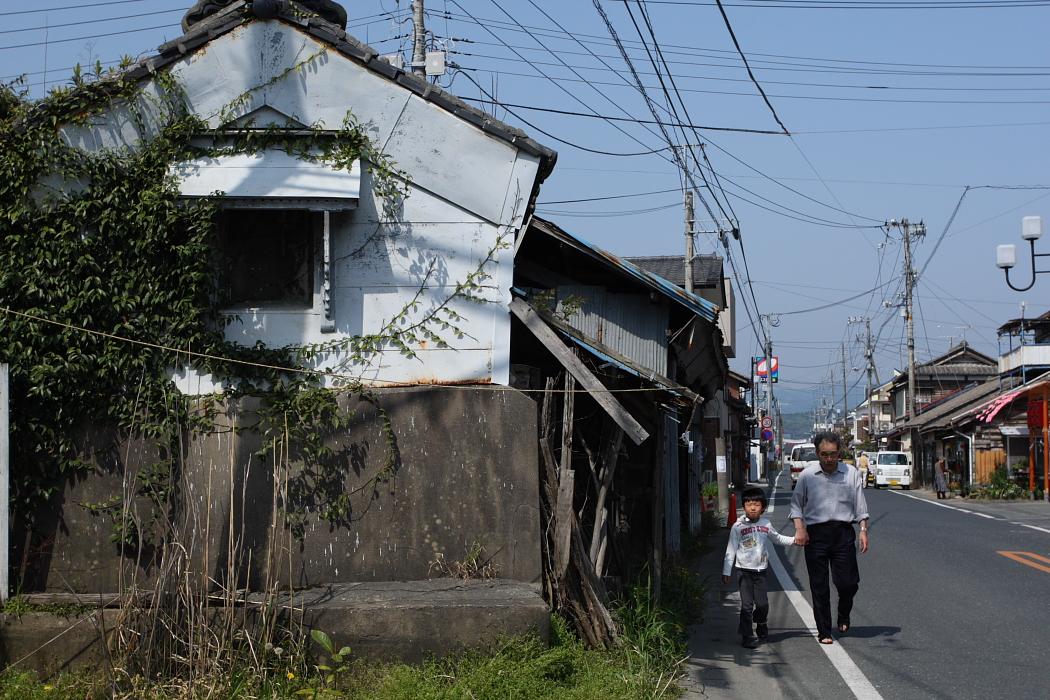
(468, 190)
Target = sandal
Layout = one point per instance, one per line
(843, 627)
(826, 639)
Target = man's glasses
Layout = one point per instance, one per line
(829, 455)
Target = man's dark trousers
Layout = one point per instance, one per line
(754, 600)
(832, 544)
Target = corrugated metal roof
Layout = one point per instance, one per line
(698, 305)
(707, 269)
(940, 415)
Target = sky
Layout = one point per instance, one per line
(894, 108)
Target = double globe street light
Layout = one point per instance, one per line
(1006, 255)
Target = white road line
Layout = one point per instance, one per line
(854, 678)
(970, 512)
(942, 505)
(1033, 527)
(776, 483)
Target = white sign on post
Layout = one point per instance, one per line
(720, 464)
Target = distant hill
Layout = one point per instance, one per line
(798, 425)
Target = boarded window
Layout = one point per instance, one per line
(266, 257)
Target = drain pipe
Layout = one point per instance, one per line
(969, 439)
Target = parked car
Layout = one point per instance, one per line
(802, 456)
(892, 469)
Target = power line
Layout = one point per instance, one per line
(69, 7)
(833, 303)
(750, 74)
(82, 38)
(89, 21)
(510, 109)
(866, 4)
(614, 196)
(554, 82)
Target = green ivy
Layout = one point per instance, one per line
(101, 241)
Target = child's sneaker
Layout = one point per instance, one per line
(750, 642)
(763, 632)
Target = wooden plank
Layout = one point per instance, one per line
(610, 455)
(563, 516)
(546, 335)
(568, 407)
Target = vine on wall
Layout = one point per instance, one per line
(101, 240)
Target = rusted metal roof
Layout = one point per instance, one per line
(697, 305)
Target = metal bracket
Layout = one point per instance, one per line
(328, 322)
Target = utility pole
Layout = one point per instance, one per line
(909, 232)
(689, 253)
(869, 356)
(845, 406)
(419, 39)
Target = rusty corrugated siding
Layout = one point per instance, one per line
(629, 324)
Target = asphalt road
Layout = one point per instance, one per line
(941, 612)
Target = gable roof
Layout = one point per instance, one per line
(959, 354)
(238, 12)
(707, 269)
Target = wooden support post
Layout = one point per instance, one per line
(563, 514)
(600, 533)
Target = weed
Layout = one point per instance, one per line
(21, 605)
(474, 565)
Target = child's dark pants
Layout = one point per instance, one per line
(754, 600)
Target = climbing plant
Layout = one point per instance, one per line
(108, 281)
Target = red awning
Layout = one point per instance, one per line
(989, 411)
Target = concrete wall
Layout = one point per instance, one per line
(466, 472)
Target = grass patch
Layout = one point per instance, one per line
(20, 605)
(645, 666)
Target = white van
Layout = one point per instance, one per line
(892, 469)
(802, 456)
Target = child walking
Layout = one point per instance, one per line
(747, 550)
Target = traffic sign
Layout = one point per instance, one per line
(767, 434)
(762, 373)
(767, 422)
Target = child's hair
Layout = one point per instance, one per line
(754, 494)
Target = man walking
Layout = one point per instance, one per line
(826, 502)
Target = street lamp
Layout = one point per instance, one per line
(1006, 255)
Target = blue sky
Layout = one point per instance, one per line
(893, 111)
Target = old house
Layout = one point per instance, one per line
(379, 255)
(650, 357)
(958, 368)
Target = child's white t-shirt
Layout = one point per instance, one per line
(747, 544)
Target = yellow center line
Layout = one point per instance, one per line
(1026, 557)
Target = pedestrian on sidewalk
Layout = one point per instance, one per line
(747, 552)
(826, 502)
(940, 479)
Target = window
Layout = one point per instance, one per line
(266, 257)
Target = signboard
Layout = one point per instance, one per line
(720, 464)
(761, 372)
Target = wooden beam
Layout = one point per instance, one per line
(546, 335)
